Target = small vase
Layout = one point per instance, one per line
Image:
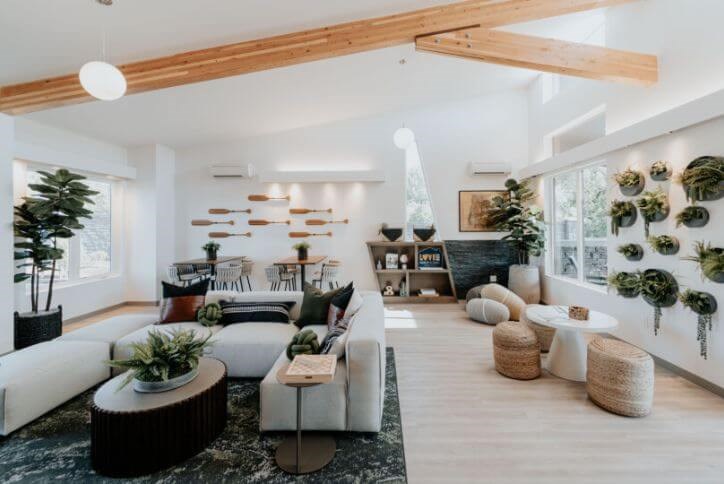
(302, 254)
(164, 386)
(524, 280)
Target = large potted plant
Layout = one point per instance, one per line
(513, 213)
(51, 213)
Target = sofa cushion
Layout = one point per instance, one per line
(250, 349)
(260, 296)
(315, 306)
(122, 349)
(182, 303)
(255, 312)
(112, 329)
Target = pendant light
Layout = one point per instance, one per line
(403, 138)
(100, 79)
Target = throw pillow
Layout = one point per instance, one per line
(355, 303)
(336, 339)
(209, 315)
(255, 312)
(338, 305)
(181, 304)
(315, 306)
(303, 343)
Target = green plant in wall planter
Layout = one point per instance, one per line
(659, 289)
(660, 170)
(627, 284)
(631, 182)
(692, 217)
(623, 214)
(710, 260)
(632, 252)
(704, 305)
(703, 179)
(654, 207)
(664, 244)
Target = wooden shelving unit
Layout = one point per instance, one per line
(414, 277)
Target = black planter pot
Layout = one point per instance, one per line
(392, 234)
(210, 254)
(701, 217)
(709, 197)
(670, 298)
(638, 256)
(302, 254)
(628, 293)
(673, 250)
(34, 328)
(424, 234)
(634, 190)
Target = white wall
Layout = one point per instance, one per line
(7, 138)
(676, 342)
(449, 136)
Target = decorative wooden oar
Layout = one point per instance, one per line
(304, 211)
(268, 222)
(302, 235)
(226, 211)
(224, 235)
(211, 222)
(266, 198)
(318, 221)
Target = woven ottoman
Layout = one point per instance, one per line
(516, 351)
(620, 377)
(545, 334)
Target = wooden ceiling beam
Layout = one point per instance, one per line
(548, 55)
(294, 48)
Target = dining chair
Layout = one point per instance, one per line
(228, 277)
(328, 275)
(246, 268)
(183, 274)
(273, 277)
(288, 275)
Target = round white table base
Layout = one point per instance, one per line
(567, 356)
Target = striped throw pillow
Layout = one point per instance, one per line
(255, 312)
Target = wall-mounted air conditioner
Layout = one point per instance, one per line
(490, 168)
(232, 171)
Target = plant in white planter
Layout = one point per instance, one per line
(513, 213)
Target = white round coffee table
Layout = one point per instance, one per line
(567, 356)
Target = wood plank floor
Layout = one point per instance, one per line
(463, 422)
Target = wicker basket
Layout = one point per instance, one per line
(620, 377)
(34, 328)
(544, 333)
(516, 351)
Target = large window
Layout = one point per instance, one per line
(417, 196)
(577, 248)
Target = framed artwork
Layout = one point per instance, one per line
(391, 260)
(473, 209)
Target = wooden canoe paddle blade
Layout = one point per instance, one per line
(266, 198)
(225, 211)
(269, 222)
(211, 222)
(302, 235)
(317, 221)
(224, 235)
(304, 211)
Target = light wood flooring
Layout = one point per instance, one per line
(463, 422)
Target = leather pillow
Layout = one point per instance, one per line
(190, 300)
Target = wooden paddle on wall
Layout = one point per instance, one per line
(304, 211)
(302, 235)
(211, 222)
(269, 222)
(225, 211)
(224, 235)
(266, 198)
(317, 221)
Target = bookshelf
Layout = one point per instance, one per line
(415, 278)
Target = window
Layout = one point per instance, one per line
(577, 248)
(87, 254)
(417, 197)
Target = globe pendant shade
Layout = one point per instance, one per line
(102, 80)
(403, 138)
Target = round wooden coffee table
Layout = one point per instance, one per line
(133, 433)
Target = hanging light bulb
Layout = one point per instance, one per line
(403, 138)
(100, 79)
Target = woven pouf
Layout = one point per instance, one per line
(487, 311)
(620, 377)
(503, 295)
(544, 333)
(516, 351)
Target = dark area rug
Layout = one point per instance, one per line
(56, 447)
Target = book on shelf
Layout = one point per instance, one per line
(428, 292)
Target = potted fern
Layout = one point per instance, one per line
(692, 217)
(704, 305)
(703, 179)
(514, 213)
(659, 289)
(631, 182)
(53, 212)
(660, 170)
(632, 252)
(623, 214)
(710, 260)
(627, 284)
(654, 207)
(664, 244)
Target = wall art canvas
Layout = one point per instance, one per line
(474, 208)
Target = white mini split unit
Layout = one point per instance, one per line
(232, 171)
(490, 168)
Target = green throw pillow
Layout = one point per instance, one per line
(209, 315)
(303, 343)
(315, 306)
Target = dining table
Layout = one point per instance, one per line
(302, 263)
(212, 263)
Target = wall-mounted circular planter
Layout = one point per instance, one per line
(624, 221)
(659, 175)
(632, 191)
(636, 252)
(673, 249)
(628, 293)
(712, 178)
(693, 217)
(653, 277)
(716, 276)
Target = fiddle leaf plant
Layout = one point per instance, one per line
(654, 206)
(704, 305)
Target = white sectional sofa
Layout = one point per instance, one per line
(352, 402)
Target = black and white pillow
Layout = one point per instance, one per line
(334, 342)
(255, 312)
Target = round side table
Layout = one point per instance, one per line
(568, 353)
(302, 454)
(133, 434)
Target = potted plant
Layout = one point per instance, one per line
(703, 179)
(659, 289)
(631, 182)
(53, 212)
(660, 170)
(704, 305)
(212, 249)
(390, 234)
(513, 213)
(710, 260)
(164, 362)
(692, 217)
(302, 249)
(627, 284)
(632, 252)
(664, 244)
(623, 214)
(423, 234)
(654, 207)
